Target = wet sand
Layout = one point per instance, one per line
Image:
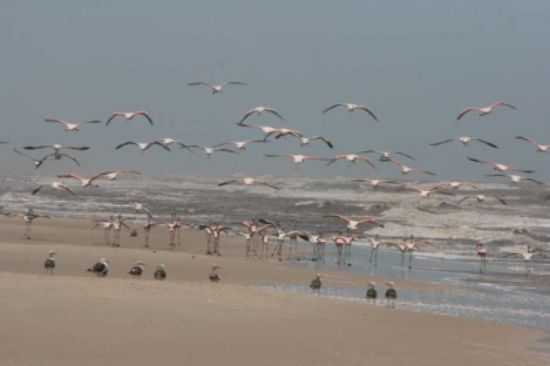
(73, 317)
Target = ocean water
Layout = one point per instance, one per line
(508, 291)
(505, 293)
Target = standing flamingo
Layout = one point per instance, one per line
(481, 252)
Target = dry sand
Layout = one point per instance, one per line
(74, 318)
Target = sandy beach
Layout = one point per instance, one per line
(73, 317)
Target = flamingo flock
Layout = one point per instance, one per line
(265, 238)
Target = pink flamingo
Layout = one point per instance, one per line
(483, 111)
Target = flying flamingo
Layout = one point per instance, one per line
(385, 156)
(57, 148)
(466, 140)
(515, 178)
(350, 107)
(427, 192)
(295, 158)
(540, 148)
(85, 181)
(116, 173)
(216, 88)
(482, 198)
(375, 183)
(37, 163)
(130, 116)
(241, 145)
(58, 186)
(169, 141)
(352, 224)
(407, 169)
(269, 130)
(483, 111)
(248, 181)
(352, 158)
(308, 140)
(500, 167)
(70, 126)
(455, 185)
(57, 153)
(283, 132)
(143, 146)
(210, 150)
(260, 110)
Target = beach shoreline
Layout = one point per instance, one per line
(185, 317)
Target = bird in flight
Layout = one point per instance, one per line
(258, 111)
(130, 116)
(353, 224)
(375, 183)
(499, 167)
(385, 156)
(143, 146)
(483, 111)
(70, 126)
(37, 163)
(85, 181)
(58, 186)
(248, 181)
(308, 140)
(216, 88)
(515, 178)
(352, 158)
(113, 175)
(295, 158)
(57, 153)
(465, 140)
(482, 198)
(407, 169)
(241, 145)
(57, 148)
(540, 147)
(210, 150)
(350, 107)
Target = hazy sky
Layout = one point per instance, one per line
(415, 63)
